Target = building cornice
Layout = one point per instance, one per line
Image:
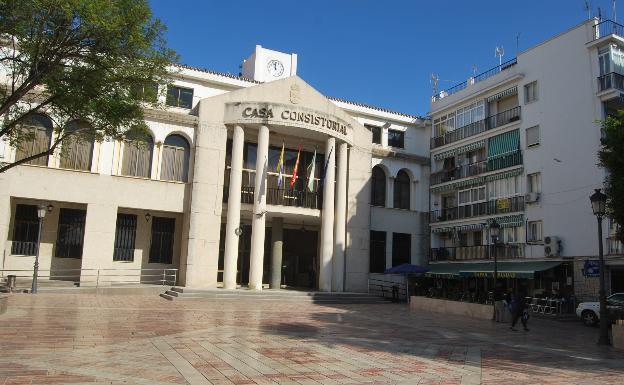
(171, 117)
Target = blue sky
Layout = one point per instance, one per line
(380, 52)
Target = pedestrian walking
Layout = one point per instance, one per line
(521, 312)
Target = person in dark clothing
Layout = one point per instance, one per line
(499, 307)
(520, 312)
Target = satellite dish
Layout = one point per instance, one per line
(499, 51)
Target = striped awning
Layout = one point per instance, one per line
(504, 175)
(503, 144)
(457, 185)
(510, 91)
(470, 227)
(460, 150)
(509, 221)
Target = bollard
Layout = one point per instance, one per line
(11, 282)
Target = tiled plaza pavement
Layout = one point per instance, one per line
(80, 339)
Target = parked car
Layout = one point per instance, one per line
(589, 312)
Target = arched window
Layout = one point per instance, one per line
(137, 155)
(402, 191)
(175, 159)
(77, 149)
(378, 188)
(36, 137)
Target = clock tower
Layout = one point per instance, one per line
(265, 65)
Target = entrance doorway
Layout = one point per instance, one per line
(299, 259)
(617, 280)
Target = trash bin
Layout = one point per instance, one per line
(11, 282)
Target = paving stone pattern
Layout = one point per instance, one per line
(85, 339)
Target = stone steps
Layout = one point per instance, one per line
(183, 293)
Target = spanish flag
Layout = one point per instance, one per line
(293, 179)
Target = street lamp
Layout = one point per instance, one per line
(495, 233)
(599, 207)
(41, 212)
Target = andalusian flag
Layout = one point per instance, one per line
(293, 179)
(280, 169)
(312, 169)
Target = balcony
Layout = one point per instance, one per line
(478, 127)
(281, 197)
(23, 248)
(480, 167)
(606, 28)
(483, 252)
(611, 81)
(476, 79)
(614, 246)
(493, 207)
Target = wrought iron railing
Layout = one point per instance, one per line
(611, 80)
(493, 207)
(483, 252)
(282, 197)
(476, 79)
(23, 248)
(489, 123)
(459, 172)
(606, 28)
(614, 246)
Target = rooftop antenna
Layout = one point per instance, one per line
(434, 81)
(614, 14)
(599, 14)
(474, 70)
(518, 43)
(499, 51)
(588, 9)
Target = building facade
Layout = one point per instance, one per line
(249, 180)
(518, 144)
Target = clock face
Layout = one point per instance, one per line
(275, 67)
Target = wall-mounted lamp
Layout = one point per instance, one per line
(148, 216)
(238, 231)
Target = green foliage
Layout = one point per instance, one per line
(79, 60)
(611, 157)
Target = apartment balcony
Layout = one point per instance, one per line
(477, 168)
(281, 197)
(483, 252)
(478, 127)
(493, 207)
(614, 246)
(610, 81)
(606, 28)
(475, 79)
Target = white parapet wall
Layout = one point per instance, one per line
(472, 310)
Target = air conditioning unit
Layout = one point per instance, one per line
(552, 246)
(531, 197)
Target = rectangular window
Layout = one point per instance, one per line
(377, 251)
(376, 133)
(534, 231)
(25, 230)
(401, 248)
(125, 235)
(179, 97)
(534, 183)
(161, 249)
(532, 136)
(396, 138)
(147, 92)
(70, 234)
(530, 92)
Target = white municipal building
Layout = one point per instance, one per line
(210, 198)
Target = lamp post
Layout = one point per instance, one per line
(41, 212)
(599, 204)
(495, 233)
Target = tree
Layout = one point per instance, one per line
(612, 159)
(92, 61)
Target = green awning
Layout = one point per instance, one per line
(441, 270)
(521, 269)
(504, 175)
(510, 91)
(503, 144)
(457, 185)
(509, 220)
(460, 150)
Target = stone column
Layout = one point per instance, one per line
(277, 241)
(327, 219)
(258, 220)
(340, 220)
(233, 213)
(99, 241)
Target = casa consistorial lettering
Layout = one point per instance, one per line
(287, 115)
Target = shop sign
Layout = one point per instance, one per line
(591, 268)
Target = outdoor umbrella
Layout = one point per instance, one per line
(406, 268)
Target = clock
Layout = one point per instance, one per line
(275, 68)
